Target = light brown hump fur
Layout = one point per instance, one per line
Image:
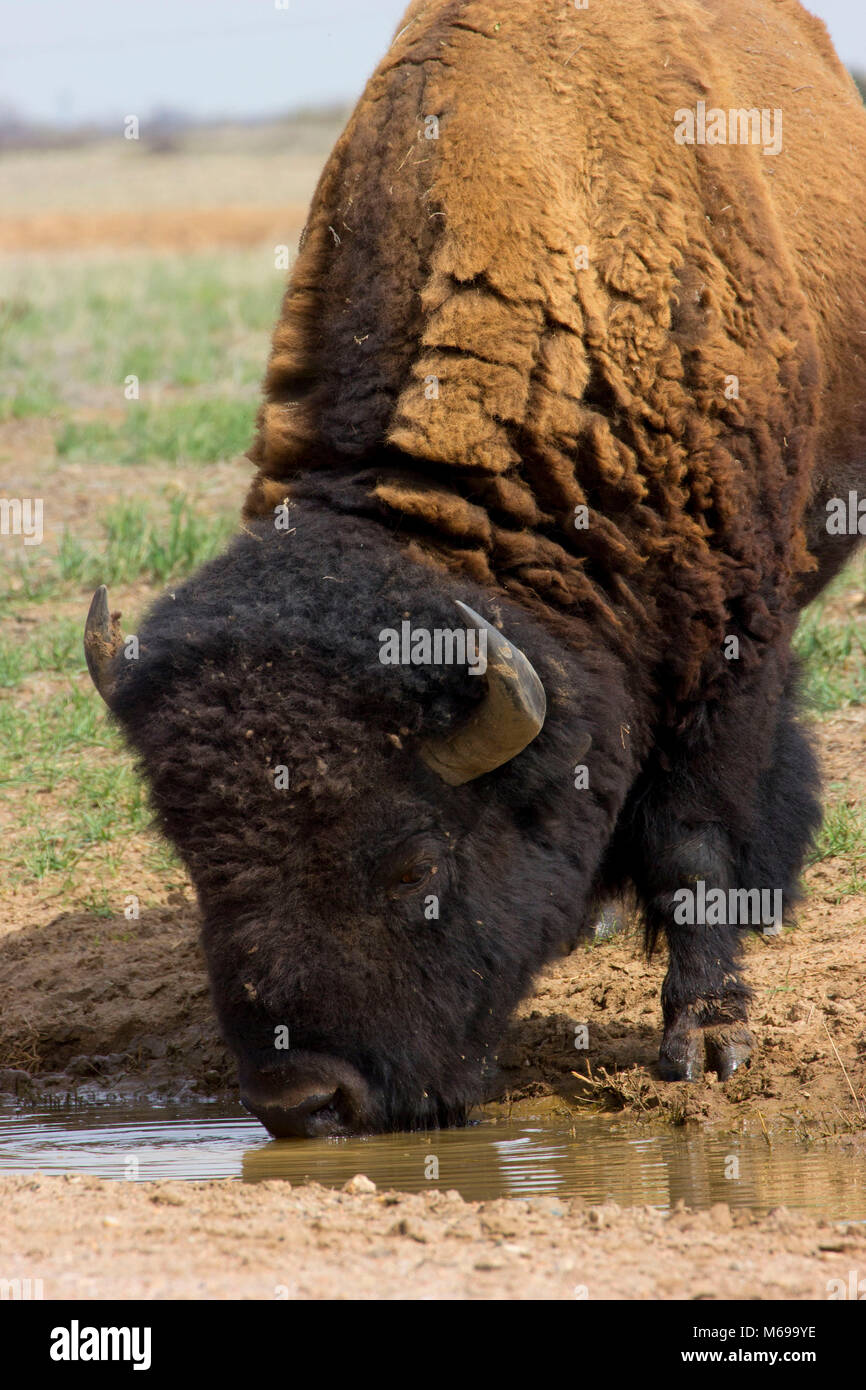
(518, 296)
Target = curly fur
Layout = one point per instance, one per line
(269, 657)
(454, 259)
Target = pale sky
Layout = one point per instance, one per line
(77, 60)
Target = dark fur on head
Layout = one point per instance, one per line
(270, 656)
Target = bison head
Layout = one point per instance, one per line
(380, 866)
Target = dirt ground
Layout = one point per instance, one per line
(92, 1239)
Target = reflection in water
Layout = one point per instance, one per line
(595, 1158)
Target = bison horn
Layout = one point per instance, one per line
(103, 640)
(506, 720)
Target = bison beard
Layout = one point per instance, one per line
(451, 396)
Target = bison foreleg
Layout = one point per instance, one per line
(704, 1000)
(729, 830)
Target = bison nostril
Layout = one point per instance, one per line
(311, 1104)
(315, 1114)
(310, 1095)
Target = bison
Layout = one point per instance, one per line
(570, 363)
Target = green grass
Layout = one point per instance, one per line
(194, 431)
(843, 834)
(53, 647)
(71, 798)
(182, 321)
(32, 399)
(831, 642)
(77, 796)
(843, 838)
(99, 903)
(99, 811)
(194, 329)
(71, 784)
(138, 543)
(37, 735)
(834, 655)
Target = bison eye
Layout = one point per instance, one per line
(407, 867)
(414, 875)
(408, 878)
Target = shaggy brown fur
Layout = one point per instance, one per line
(450, 263)
(454, 259)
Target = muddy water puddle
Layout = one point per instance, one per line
(595, 1158)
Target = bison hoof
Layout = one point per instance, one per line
(686, 1053)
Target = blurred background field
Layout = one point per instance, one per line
(156, 271)
(170, 189)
